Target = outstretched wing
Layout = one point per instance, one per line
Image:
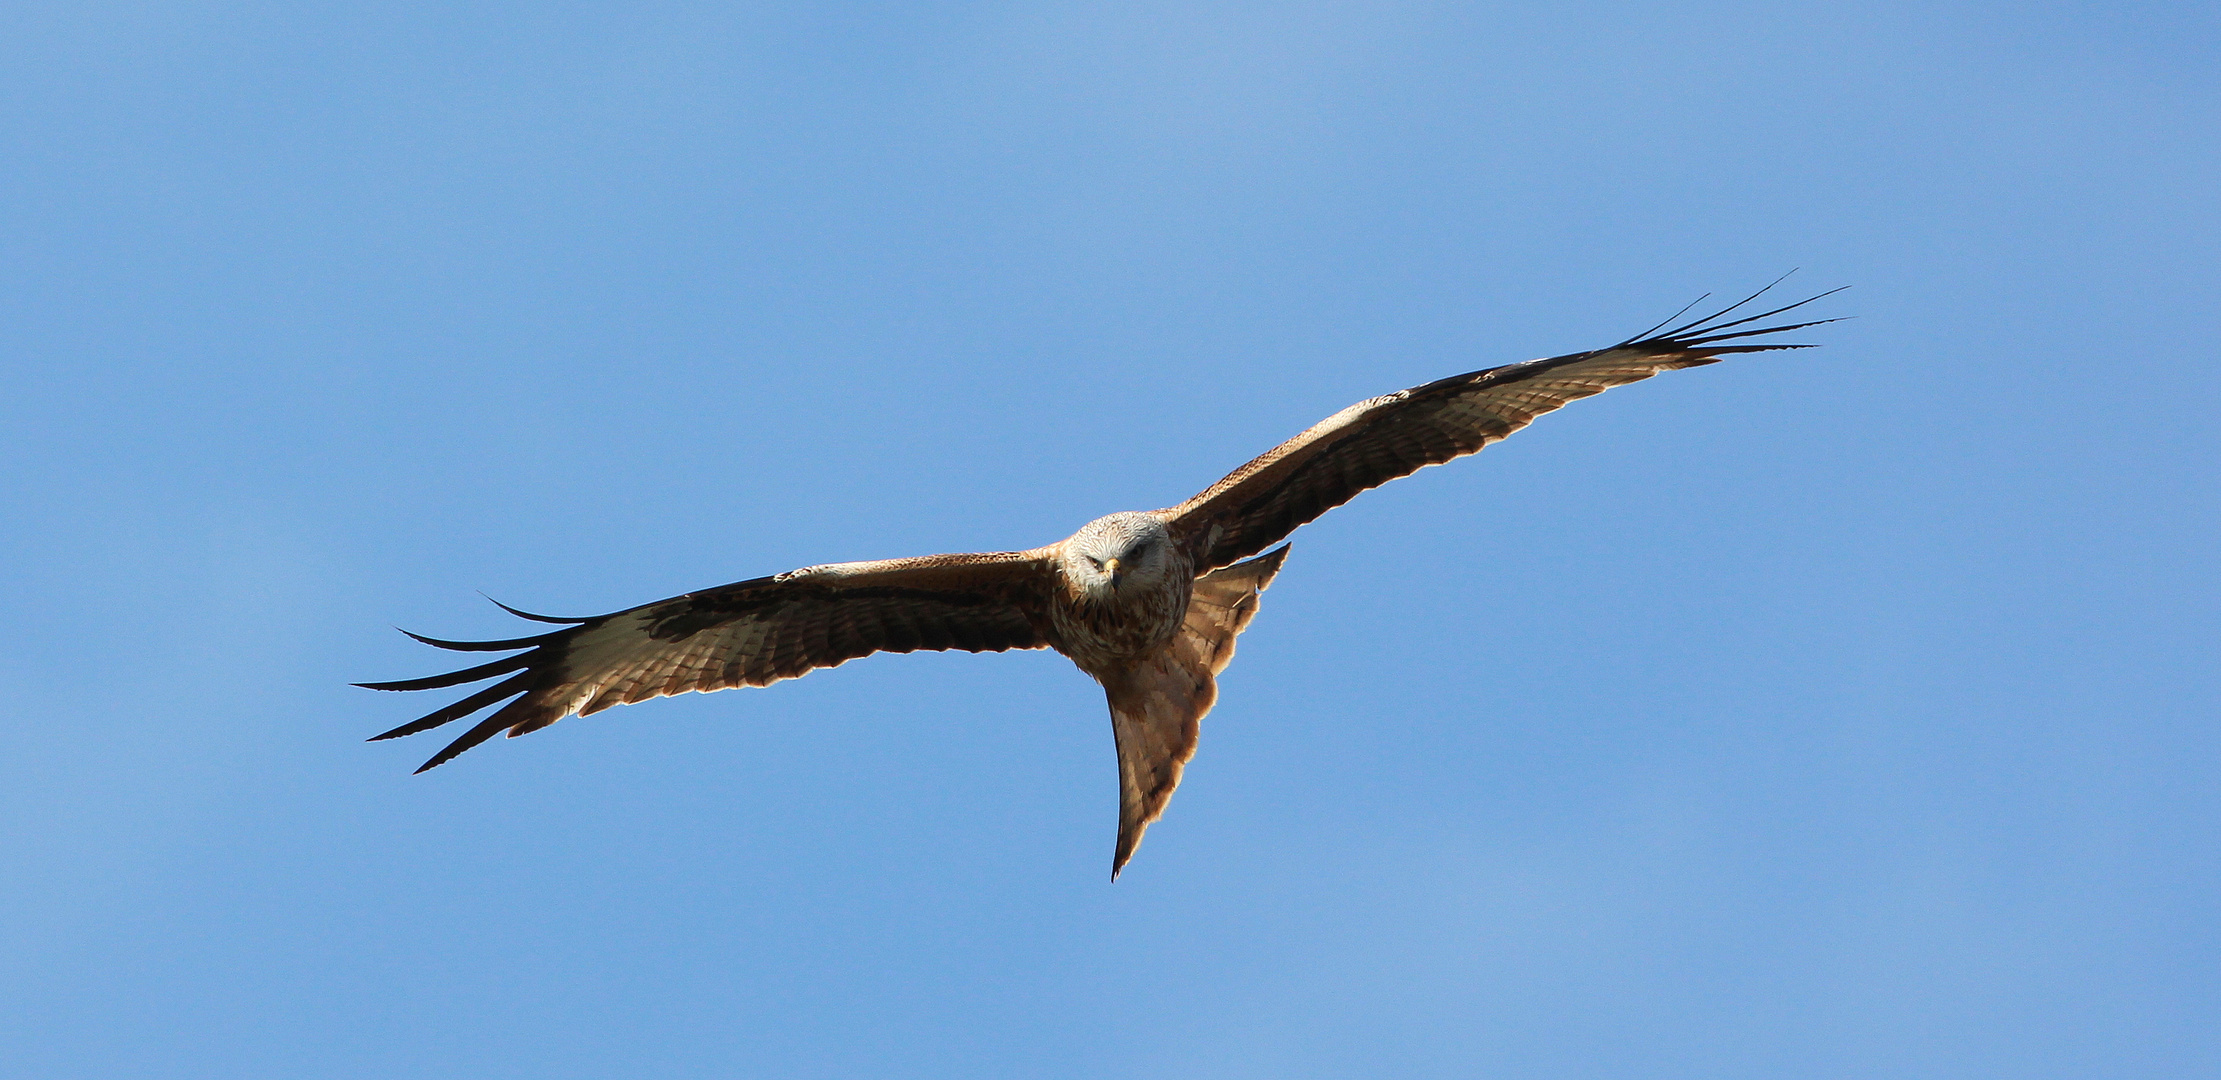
(752, 633)
(1373, 442)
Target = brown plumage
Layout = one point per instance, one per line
(1147, 602)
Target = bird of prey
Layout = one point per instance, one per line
(1148, 602)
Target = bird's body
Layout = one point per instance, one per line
(1146, 602)
(1125, 589)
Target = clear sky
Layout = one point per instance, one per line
(1850, 712)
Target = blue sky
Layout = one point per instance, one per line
(1841, 713)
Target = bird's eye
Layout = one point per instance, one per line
(1095, 562)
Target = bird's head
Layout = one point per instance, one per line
(1118, 553)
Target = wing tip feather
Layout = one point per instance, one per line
(1707, 329)
(481, 646)
(560, 620)
(482, 732)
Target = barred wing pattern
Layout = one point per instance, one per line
(1375, 441)
(752, 633)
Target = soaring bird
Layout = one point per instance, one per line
(1146, 601)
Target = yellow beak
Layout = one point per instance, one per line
(1110, 566)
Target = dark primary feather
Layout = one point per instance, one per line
(750, 633)
(1373, 442)
(560, 620)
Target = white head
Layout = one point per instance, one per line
(1120, 553)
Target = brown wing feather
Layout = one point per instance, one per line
(751, 633)
(1373, 442)
(1157, 709)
